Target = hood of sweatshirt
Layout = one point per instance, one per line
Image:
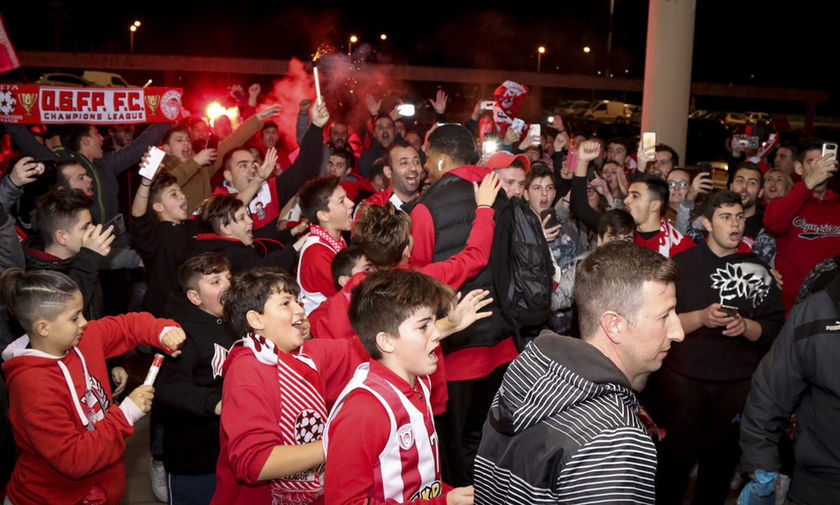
(554, 374)
(18, 358)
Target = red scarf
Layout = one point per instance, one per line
(303, 416)
(335, 244)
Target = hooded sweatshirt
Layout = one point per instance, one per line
(563, 429)
(70, 436)
(189, 387)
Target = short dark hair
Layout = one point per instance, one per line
(250, 290)
(203, 264)
(620, 141)
(718, 199)
(344, 261)
(455, 141)
(349, 159)
(172, 131)
(71, 137)
(538, 169)
(749, 165)
(35, 294)
(388, 297)
(657, 190)
(611, 278)
(219, 210)
(402, 144)
(315, 195)
(58, 209)
(810, 146)
(228, 155)
(269, 124)
(383, 115)
(793, 148)
(383, 233)
(675, 158)
(161, 181)
(377, 168)
(60, 179)
(617, 222)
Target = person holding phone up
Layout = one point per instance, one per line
(731, 310)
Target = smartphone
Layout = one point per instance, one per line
(212, 142)
(406, 109)
(487, 105)
(489, 147)
(728, 310)
(746, 141)
(150, 168)
(704, 167)
(830, 148)
(534, 131)
(648, 140)
(552, 219)
(117, 222)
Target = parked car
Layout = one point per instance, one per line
(609, 111)
(62, 79)
(88, 78)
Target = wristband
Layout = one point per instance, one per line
(484, 206)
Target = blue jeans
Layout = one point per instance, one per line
(191, 489)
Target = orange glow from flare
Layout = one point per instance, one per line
(215, 109)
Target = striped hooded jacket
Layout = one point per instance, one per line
(563, 429)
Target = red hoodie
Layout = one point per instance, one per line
(64, 457)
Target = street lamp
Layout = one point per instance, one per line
(586, 49)
(132, 29)
(540, 52)
(353, 40)
(384, 36)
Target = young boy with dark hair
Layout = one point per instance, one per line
(325, 204)
(347, 263)
(232, 236)
(161, 236)
(388, 400)
(69, 243)
(277, 389)
(189, 389)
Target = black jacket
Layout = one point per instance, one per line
(188, 389)
(799, 374)
(82, 268)
(241, 256)
(163, 247)
(563, 429)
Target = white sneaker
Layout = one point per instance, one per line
(157, 477)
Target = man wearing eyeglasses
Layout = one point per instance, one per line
(678, 183)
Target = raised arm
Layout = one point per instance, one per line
(118, 161)
(308, 162)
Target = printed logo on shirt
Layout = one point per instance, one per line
(405, 436)
(433, 490)
(218, 361)
(309, 426)
(745, 280)
(813, 231)
(95, 402)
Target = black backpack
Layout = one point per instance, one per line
(524, 282)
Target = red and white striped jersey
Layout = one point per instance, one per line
(408, 467)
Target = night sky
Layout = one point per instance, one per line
(741, 42)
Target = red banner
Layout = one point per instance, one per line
(30, 103)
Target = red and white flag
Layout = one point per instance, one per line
(8, 58)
